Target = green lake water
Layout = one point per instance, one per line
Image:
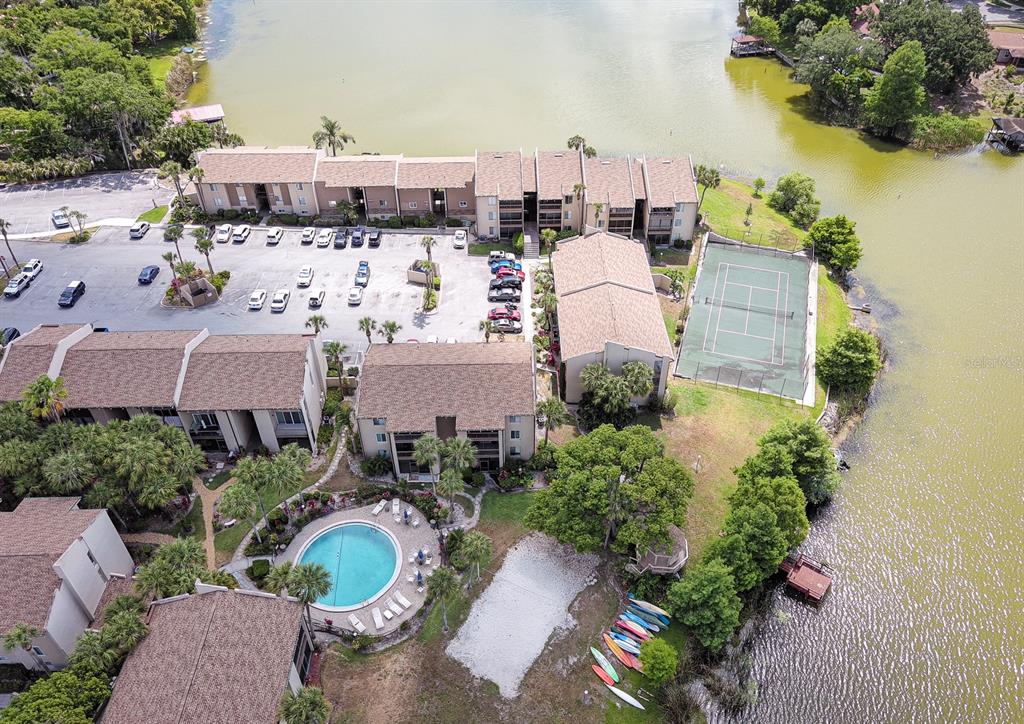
(926, 621)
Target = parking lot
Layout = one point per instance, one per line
(110, 263)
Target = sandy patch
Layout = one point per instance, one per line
(526, 602)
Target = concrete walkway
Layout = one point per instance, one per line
(210, 498)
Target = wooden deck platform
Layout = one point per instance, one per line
(806, 576)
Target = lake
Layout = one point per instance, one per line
(926, 621)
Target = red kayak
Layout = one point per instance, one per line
(601, 672)
(633, 629)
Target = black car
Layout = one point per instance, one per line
(71, 294)
(341, 238)
(357, 236)
(506, 283)
(148, 274)
(8, 335)
(373, 237)
(503, 295)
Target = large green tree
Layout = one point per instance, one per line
(834, 241)
(308, 706)
(794, 195)
(811, 460)
(613, 489)
(706, 602)
(837, 63)
(898, 95)
(659, 659)
(180, 141)
(851, 362)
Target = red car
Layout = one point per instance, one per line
(508, 272)
(502, 313)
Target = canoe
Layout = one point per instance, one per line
(648, 617)
(627, 659)
(625, 697)
(605, 664)
(601, 672)
(646, 625)
(626, 644)
(627, 633)
(651, 607)
(638, 631)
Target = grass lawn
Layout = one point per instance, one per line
(218, 480)
(467, 504)
(485, 248)
(71, 236)
(159, 57)
(458, 609)
(671, 257)
(505, 507)
(154, 215)
(633, 680)
(193, 519)
(725, 210)
(833, 313)
(227, 541)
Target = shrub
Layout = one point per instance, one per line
(229, 214)
(453, 543)
(451, 221)
(851, 363)
(333, 402)
(946, 132)
(258, 570)
(429, 220)
(544, 458)
(352, 371)
(660, 660)
(286, 219)
(794, 195)
(566, 234)
(375, 466)
(437, 283)
(220, 280)
(429, 300)
(324, 435)
(395, 222)
(361, 641)
(519, 244)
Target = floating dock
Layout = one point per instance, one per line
(806, 576)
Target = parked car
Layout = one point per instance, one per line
(504, 313)
(138, 230)
(357, 236)
(174, 231)
(507, 326)
(341, 239)
(241, 233)
(363, 274)
(305, 277)
(72, 292)
(460, 239)
(503, 264)
(506, 272)
(223, 234)
(32, 267)
(274, 235)
(257, 298)
(373, 238)
(8, 335)
(308, 234)
(17, 284)
(316, 298)
(325, 238)
(355, 296)
(280, 300)
(506, 283)
(503, 295)
(432, 339)
(499, 256)
(60, 219)
(148, 274)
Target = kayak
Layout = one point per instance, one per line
(605, 664)
(626, 644)
(617, 628)
(625, 697)
(601, 672)
(627, 659)
(640, 622)
(648, 617)
(638, 631)
(651, 607)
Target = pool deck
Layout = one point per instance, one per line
(409, 539)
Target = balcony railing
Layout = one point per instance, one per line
(291, 429)
(203, 430)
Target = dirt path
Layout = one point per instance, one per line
(156, 539)
(209, 499)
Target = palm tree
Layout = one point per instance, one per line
(476, 549)
(458, 453)
(122, 632)
(708, 178)
(426, 451)
(593, 377)
(639, 378)
(174, 233)
(316, 322)
(449, 485)
(308, 582)
(187, 270)
(287, 469)
(598, 208)
(367, 326)
(306, 707)
(240, 501)
(195, 174)
(333, 351)
(75, 215)
(579, 143)
(174, 170)
(44, 398)
(549, 303)
(257, 474)
(330, 134)
(428, 243)
(4, 226)
(204, 246)
(20, 636)
(578, 189)
(548, 236)
(554, 413)
(91, 651)
(67, 471)
(442, 585)
(389, 329)
(223, 137)
(277, 578)
(486, 326)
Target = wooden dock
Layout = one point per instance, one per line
(806, 576)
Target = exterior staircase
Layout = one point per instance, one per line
(531, 242)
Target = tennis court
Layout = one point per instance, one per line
(748, 324)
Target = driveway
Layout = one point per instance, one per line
(992, 14)
(100, 196)
(110, 262)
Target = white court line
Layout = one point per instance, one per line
(748, 359)
(707, 327)
(775, 322)
(785, 324)
(746, 322)
(718, 322)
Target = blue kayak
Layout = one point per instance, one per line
(626, 643)
(647, 625)
(647, 616)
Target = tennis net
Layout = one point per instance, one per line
(778, 313)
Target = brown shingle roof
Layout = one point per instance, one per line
(30, 356)
(670, 181)
(529, 174)
(1006, 39)
(557, 173)
(606, 294)
(258, 164)
(479, 384)
(357, 171)
(145, 366)
(246, 372)
(32, 538)
(454, 172)
(609, 182)
(223, 656)
(499, 173)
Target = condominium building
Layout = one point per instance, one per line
(257, 177)
(479, 391)
(500, 199)
(227, 392)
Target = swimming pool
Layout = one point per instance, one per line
(362, 559)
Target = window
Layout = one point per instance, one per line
(213, 187)
(413, 204)
(490, 216)
(516, 434)
(492, 201)
(92, 558)
(378, 422)
(515, 419)
(382, 203)
(677, 222)
(382, 438)
(491, 230)
(39, 651)
(463, 204)
(600, 223)
(278, 199)
(298, 187)
(679, 207)
(332, 203)
(568, 199)
(289, 417)
(302, 201)
(568, 215)
(514, 451)
(201, 420)
(217, 200)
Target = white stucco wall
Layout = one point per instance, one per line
(107, 547)
(66, 624)
(368, 437)
(527, 427)
(266, 430)
(687, 220)
(573, 367)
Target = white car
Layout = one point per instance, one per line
(32, 268)
(17, 284)
(60, 219)
(500, 256)
(305, 277)
(460, 240)
(274, 234)
(241, 233)
(432, 339)
(138, 230)
(308, 234)
(257, 299)
(280, 300)
(316, 298)
(325, 238)
(355, 296)
(223, 233)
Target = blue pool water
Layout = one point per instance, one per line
(361, 559)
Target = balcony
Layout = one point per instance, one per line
(202, 430)
(291, 430)
(510, 204)
(550, 205)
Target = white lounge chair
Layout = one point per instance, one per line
(377, 619)
(388, 615)
(419, 590)
(356, 623)
(380, 507)
(402, 599)
(409, 579)
(396, 505)
(415, 522)
(394, 607)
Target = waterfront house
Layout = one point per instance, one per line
(480, 391)
(611, 197)
(59, 565)
(1009, 132)
(1009, 47)
(368, 182)
(608, 310)
(256, 177)
(439, 186)
(214, 656)
(744, 45)
(671, 205)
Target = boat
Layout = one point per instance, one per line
(646, 625)
(604, 676)
(616, 628)
(650, 607)
(649, 617)
(626, 644)
(638, 631)
(627, 659)
(663, 621)
(626, 697)
(605, 664)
